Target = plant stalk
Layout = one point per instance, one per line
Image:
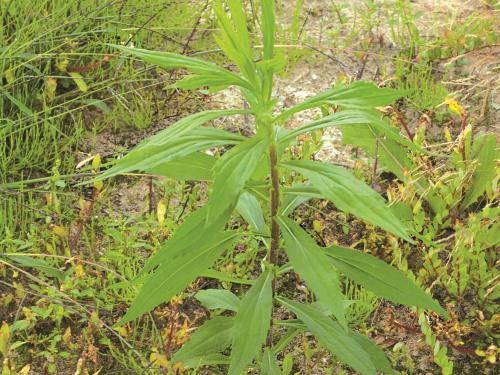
(275, 203)
(275, 229)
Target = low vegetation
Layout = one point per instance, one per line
(176, 212)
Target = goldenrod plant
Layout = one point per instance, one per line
(252, 178)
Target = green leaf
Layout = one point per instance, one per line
(196, 166)
(376, 354)
(350, 194)
(234, 40)
(251, 323)
(185, 125)
(391, 153)
(22, 107)
(222, 276)
(79, 81)
(268, 25)
(169, 60)
(485, 153)
(359, 94)
(333, 336)
(269, 365)
(353, 118)
(213, 337)
(191, 251)
(193, 232)
(150, 155)
(38, 264)
(218, 299)
(232, 171)
(249, 208)
(382, 279)
(313, 266)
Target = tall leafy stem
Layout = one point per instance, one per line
(247, 178)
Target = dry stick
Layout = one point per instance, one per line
(186, 45)
(151, 195)
(375, 164)
(275, 229)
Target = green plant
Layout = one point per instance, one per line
(253, 175)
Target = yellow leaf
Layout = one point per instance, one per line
(67, 336)
(50, 89)
(98, 185)
(60, 231)
(4, 338)
(79, 271)
(79, 81)
(317, 226)
(181, 335)
(161, 211)
(62, 64)
(25, 370)
(79, 366)
(447, 134)
(96, 162)
(9, 76)
(159, 359)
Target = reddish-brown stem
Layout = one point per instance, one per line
(275, 202)
(275, 228)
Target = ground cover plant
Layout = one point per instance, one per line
(241, 201)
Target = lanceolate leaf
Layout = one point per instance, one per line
(352, 118)
(382, 279)
(312, 265)
(193, 232)
(183, 266)
(297, 194)
(249, 208)
(218, 299)
(169, 60)
(184, 126)
(360, 94)
(376, 354)
(269, 365)
(251, 323)
(349, 194)
(39, 264)
(213, 337)
(332, 335)
(485, 153)
(234, 39)
(391, 153)
(268, 25)
(196, 166)
(146, 156)
(232, 171)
